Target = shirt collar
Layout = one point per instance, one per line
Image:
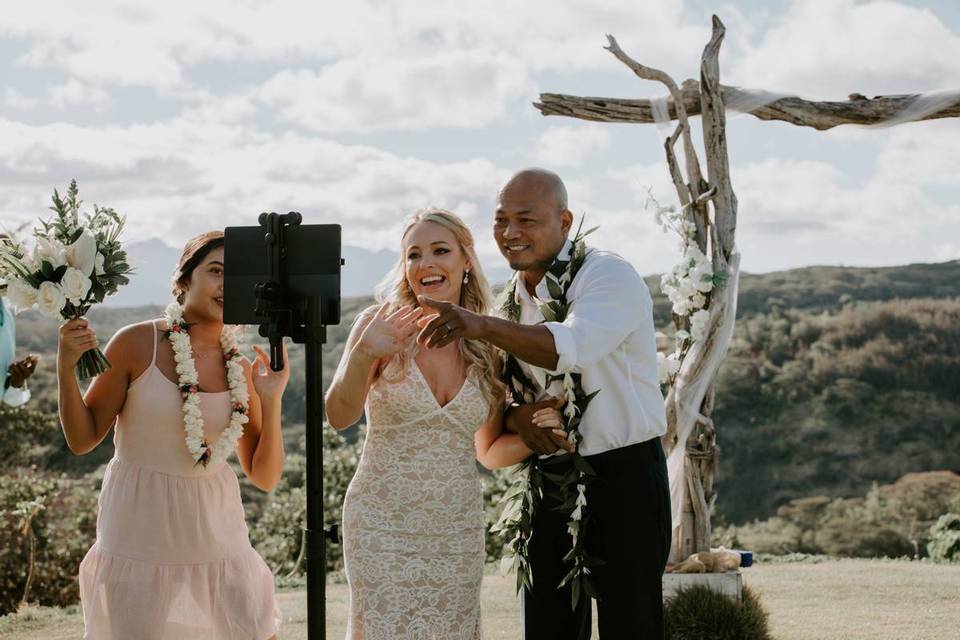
(541, 291)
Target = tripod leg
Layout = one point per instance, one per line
(315, 539)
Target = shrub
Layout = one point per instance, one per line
(944, 545)
(63, 531)
(278, 532)
(495, 484)
(25, 434)
(890, 521)
(699, 613)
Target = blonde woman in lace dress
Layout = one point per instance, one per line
(413, 517)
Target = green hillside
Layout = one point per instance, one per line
(837, 377)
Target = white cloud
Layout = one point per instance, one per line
(369, 57)
(238, 74)
(570, 145)
(178, 178)
(922, 154)
(463, 89)
(77, 94)
(795, 212)
(831, 49)
(16, 100)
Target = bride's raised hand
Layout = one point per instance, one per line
(388, 332)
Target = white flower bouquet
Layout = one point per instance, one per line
(75, 263)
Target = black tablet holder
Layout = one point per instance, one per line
(285, 277)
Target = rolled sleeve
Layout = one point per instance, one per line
(565, 345)
(608, 301)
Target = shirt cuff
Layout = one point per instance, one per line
(565, 345)
(15, 397)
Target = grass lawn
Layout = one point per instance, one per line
(835, 599)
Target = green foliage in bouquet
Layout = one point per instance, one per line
(106, 226)
(78, 261)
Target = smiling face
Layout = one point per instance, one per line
(530, 226)
(434, 262)
(203, 298)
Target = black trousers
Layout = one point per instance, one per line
(629, 503)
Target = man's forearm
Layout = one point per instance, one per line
(531, 343)
(519, 415)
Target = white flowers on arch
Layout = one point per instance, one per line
(189, 382)
(687, 285)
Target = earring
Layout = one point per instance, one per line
(466, 276)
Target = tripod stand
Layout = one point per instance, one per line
(285, 276)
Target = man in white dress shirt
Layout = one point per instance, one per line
(607, 337)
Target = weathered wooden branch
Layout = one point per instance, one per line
(689, 191)
(803, 113)
(649, 73)
(715, 144)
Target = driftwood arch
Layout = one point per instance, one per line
(709, 202)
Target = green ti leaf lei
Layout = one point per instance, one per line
(522, 499)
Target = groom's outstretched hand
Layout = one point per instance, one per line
(447, 322)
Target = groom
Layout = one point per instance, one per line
(607, 336)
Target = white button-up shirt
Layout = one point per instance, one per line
(608, 337)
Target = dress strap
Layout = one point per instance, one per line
(153, 361)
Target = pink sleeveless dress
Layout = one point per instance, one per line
(172, 559)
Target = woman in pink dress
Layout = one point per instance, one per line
(172, 559)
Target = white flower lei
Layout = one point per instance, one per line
(516, 520)
(189, 382)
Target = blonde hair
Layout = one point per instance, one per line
(482, 358)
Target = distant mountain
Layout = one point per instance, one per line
(154, 262)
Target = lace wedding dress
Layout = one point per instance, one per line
(413, 515)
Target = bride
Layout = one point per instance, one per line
(413, 518)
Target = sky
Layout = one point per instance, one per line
(187, 116)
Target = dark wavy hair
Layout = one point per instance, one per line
(196, 249)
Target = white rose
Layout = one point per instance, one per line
(50, 251)
(693, 252)
(666, 367)
(82, 254)
(75, 285)
(698, 325)
(50, 299)
(20, 294)
(29, 262)
(98, 267)
(687, 288)
(702, 277)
